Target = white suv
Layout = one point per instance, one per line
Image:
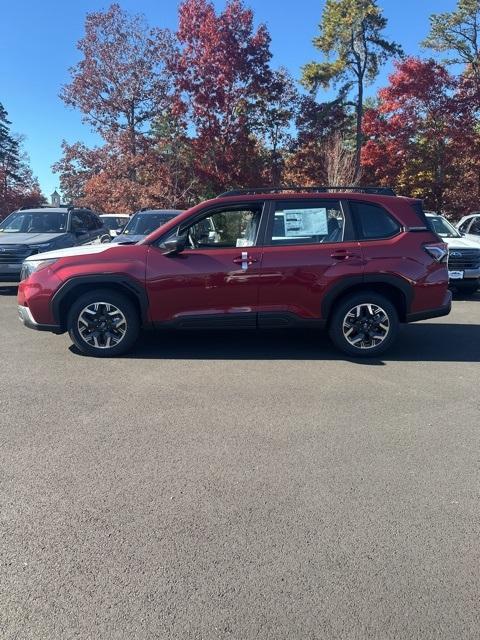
(464, 254)
(469, 226)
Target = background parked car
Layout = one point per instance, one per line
(115, 223)
(469, 226)
(143, 222)
(29, 231)
(464, 255)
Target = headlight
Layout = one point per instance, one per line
(30, 266)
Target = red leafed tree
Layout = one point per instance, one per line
(122, 87)
(102, 177)
(121, 82)
(221, 71)
(422, 138)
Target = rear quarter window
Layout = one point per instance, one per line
(373, 221)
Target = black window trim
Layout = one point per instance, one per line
(348, 230)
(354, 217)
(205, 213)
(475, 219)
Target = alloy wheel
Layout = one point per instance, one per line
(102, 325)
(366, 326)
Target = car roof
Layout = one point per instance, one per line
(114, 215)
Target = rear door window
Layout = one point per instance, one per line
(313, 222)
(373, 222)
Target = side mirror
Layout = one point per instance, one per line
(174, 245)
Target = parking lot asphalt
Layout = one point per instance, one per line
(252, 485)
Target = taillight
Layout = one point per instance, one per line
(438, 251)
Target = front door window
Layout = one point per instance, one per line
(225, 229)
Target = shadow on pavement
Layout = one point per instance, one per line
(430, 342)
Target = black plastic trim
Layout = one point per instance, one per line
(346, 283)
(287, 319)
(212, 321)
(430, 313)
(100, 280)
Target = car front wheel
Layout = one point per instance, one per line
(103, 323)
(364, 325)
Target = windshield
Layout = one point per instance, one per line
(144, 223)
(113, 223)
(35, 222)
(443, 228)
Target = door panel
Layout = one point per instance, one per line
(216, 278)
(294, 279)
(204, 282)
(309, 246)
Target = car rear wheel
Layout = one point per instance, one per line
(364, 325)
(103, 323)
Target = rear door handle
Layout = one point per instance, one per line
(343, 254)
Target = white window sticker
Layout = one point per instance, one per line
(305, 222)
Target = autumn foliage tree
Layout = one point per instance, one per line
(183, 116)
(120, 85)
(422, 138)
(222, 72)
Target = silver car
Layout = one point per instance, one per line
(142, 223)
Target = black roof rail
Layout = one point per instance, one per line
(42, 206)
(381, 191)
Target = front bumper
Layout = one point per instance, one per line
(470, 274)
(10, 272)
(25, 316)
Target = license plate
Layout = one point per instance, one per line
(455, 275)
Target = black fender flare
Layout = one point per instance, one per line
(99, 280)
(337, 290)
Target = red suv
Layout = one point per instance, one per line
(357, 261)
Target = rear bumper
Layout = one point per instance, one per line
(444, 310)
(25, 316)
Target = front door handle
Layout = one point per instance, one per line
(245, 260)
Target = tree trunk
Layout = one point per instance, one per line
(358, 133)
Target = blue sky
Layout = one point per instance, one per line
(38, 45)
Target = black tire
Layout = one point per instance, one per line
(468, 288)
(123, 326)
(341, 323)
